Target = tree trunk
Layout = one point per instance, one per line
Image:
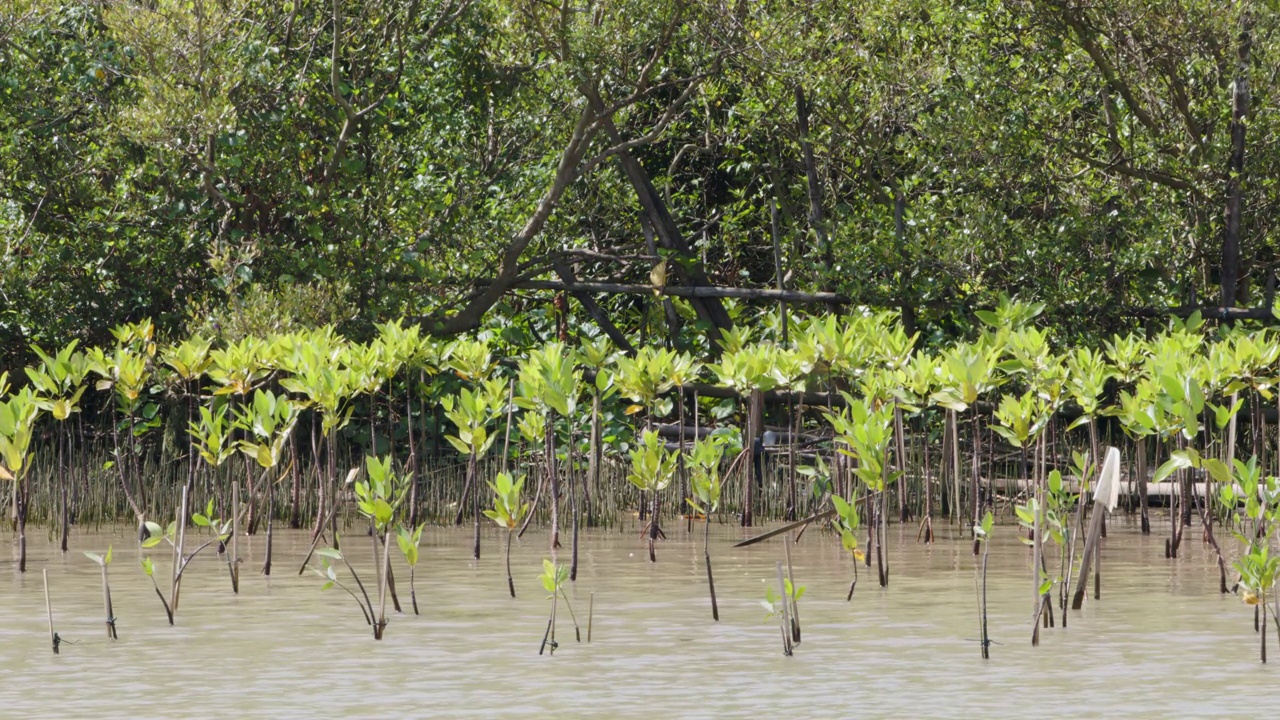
(1230, 271)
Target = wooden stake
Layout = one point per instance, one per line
(784, 616)
(235, 531)
(106, 604)
(591, 609)
(49, 611)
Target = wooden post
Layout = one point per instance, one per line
(48, 609)
(785, 616)
(1104, 500)
(235, 531)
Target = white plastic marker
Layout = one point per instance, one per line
(1105, 495)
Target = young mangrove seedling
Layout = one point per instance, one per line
(378, 500)
(553, 577)
(175, 536)
(847, 523)
(329, 574)
(148, 567)
(864, 430)
(983, 533)
(652, 467)
(211, 437)
(409, 541)
(269, 420)
(104, 561)
(549, 384)
(17, 426)
(1258, 567)
(779, 604)
(471, 412)
(508, 510)
(704, 479)
(59, 382)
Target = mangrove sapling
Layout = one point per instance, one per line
(864, 431)
(980, 581)
(1258, 567)
(778, 605)
(269, 420)
(175, 535)
(684, 370)
(471, 361)
(968, 373)
(508, 510)
(553, 578)
(914, 396)
(329, 574)
(378, 500)
(211, 437)
(17, 425)
(189, 361)
(104, 561)
(549, 384)
(847, 523)
(148, 567)
(471, 412)
(60, 382)
(409, 540)
(128, 373)
(597, 357)
(532, 426)
(704, 466)
(1021, 419)
(652, 467)
(1031, 517)
(329, 388)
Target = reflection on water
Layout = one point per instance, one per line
(1161, 641)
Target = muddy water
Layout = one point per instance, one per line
(1161, 642)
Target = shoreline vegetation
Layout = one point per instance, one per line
(862, 429)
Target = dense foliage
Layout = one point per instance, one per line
(233, 167)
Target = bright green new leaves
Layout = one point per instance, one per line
(59, 381)
(189, 359)
(549, 381)
(509, 508)
(847, 522)
(127, 371)
(17, 425)
(269, 418)
(1010, 314)
(751, 367)
(1087, 375)
(409, 540)
(471, 411)
(968, 372)
(1189, 458)
(652, 465)
(553, 577)
(239, 367)
(379, 497)
(645, 377)
(212, 435)
(865, 431)
(318, 377)
(1022, 418)
(102, 560)
(469, 359)
(704, 473)
(983, 529)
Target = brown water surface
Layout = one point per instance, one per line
(1161, 642)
